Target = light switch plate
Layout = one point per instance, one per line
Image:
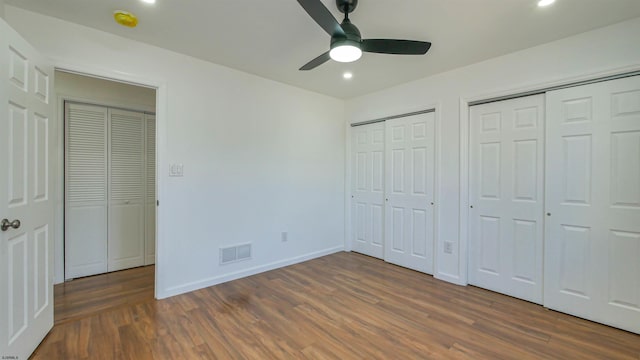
(176, 170)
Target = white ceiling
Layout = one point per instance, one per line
(274, 38)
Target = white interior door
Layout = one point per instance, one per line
(85, 190)
(367, 189)
(27, 144)
(592, 244)
(126, 195)
(150, 176)
(409, 183)
(506, 197)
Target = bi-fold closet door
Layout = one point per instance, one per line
(393, 190)
(585, 236)
(592, 244)
(110, 189)
(506, 195)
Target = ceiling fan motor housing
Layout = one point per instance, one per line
(350, 5)
(352, 35)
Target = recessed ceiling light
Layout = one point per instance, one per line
(543, 3)
(149, 1)
(347, 75)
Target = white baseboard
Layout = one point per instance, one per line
(200, 284)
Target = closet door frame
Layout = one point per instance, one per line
(62, 98)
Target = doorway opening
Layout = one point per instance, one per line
(107, 256)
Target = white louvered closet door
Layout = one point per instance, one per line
(126, 189)
(150, 203)
(85, 190)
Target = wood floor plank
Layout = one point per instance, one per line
(342, 306)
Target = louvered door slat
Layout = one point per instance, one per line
(86, 155)
(127, 144)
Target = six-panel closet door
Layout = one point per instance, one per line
(506, 197)
(409, 195)
(592, 244)
(392, 190)
(367, 189)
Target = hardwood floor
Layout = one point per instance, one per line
(91, 295)
(342, 306)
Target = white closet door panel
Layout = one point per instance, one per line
(592, 243)
(126, 189)
(150, 234)
(150, 167)
(367, 189)
(86, 241)
(126, 231)
(85, 190)
(409, 182)
(506, 188)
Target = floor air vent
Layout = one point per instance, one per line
(235, 253)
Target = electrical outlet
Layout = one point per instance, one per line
(284, 236)
(448, 247)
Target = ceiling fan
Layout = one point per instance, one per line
(347, 44)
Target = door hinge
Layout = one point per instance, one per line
(157, 202)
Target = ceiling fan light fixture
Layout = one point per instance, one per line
(543, 3)
(345, 51)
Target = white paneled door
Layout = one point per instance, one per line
(506, 197)
(26, 199)
(126, 184)
(409, 195)
(592, 244)
(367, 189)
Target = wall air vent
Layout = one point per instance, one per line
(235, 253)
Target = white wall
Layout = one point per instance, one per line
(92, 90)
(259, 157)
(612, 49)
(104, 92)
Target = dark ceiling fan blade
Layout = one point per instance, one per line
(316, 62)
(322, 16)
(398, 47)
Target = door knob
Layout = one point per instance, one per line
(6, 224)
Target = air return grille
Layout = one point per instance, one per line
(235, 253)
